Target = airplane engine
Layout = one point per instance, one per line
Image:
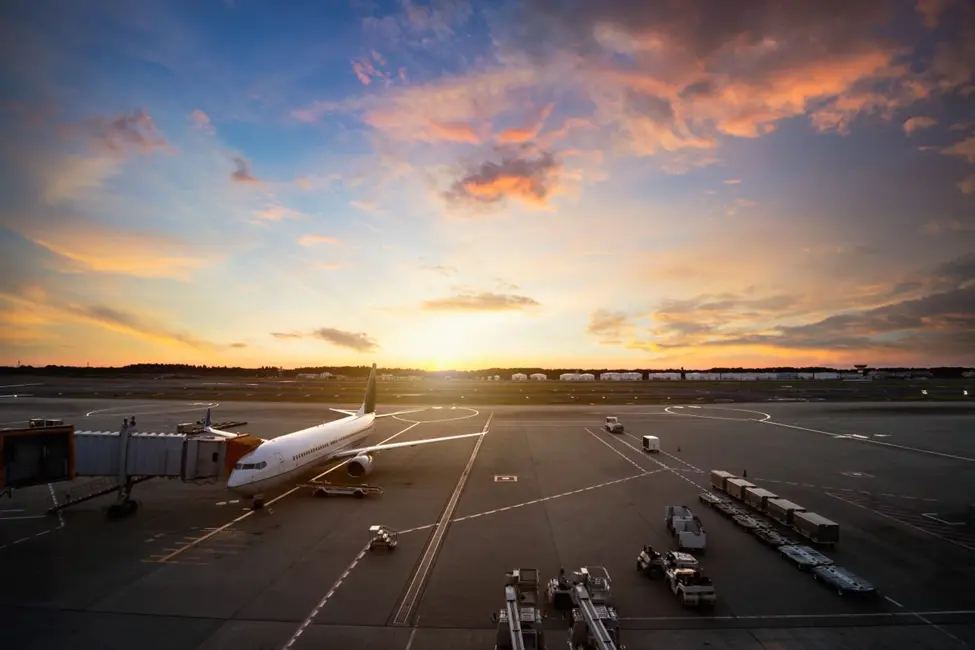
(361, 465)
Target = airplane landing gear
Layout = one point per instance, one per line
(257, 503)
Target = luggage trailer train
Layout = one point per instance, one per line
(809, 525)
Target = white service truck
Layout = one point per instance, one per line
(613, 424)
(691, 587)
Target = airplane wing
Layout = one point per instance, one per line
(350, 453)
(208, 428)
(378, 415)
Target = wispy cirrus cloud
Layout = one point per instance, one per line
(313, 239)
(356, 341)
(480, 301)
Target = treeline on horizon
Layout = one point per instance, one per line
(191, 371)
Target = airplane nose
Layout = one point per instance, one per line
(236, 482)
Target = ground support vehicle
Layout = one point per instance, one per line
(382, 536)
(691, 587)
(650, 562)
(613, 424)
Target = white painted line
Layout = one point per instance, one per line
(154, 409)
(873, 442)
(679, 460)
(931, 515)
(23, 517)
(54, 502)
(753, 617)
(903, 523)
(19, 385)
(617, 451)
(670, 469)
(314, 612)
(765, 416)
(893, 601)
(13, 510)
(541, 500)
(423, 569)
(409, 642)
(941, 629)
(249, 513)
(474, 413)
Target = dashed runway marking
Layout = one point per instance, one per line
(326, 597)
(912, 520)
(833, 488)
(617, 451)
(534, 501)
(864, 439)
(670, 469)
(54, 501)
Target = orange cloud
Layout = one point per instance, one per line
(313, 239)
(520, 175)
(277, 212)
(916, 123)
(527, 132)
(54, 311)
(453, 132)
(94, 247)
(483, 301)
(201, 121)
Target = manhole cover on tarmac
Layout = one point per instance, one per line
(505, 478)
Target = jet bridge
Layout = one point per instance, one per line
(594, 627)
(35, 456)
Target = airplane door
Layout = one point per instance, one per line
(280, 458)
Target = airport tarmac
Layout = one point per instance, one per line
(195, 569)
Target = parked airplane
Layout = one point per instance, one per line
(283, 459)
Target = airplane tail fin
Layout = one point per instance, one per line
(207, 421)
(369, 403)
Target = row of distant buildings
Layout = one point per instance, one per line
(725, 376)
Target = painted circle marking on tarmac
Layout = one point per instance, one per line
(474, 413)
(765, 416)
(140, 409)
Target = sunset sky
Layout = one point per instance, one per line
(461, 184)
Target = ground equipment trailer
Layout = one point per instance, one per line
(651, 444)
(520, 622)
(613, 424)
(816, 528)
(592, 626)
(326, 489)
(782, 511)
(757, 498)
(686, 528)
(719, 479)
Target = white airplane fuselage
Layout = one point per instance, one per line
(281, 460)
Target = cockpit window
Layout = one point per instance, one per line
(260, 465)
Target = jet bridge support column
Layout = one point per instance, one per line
(124, 506)
(597, 631)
